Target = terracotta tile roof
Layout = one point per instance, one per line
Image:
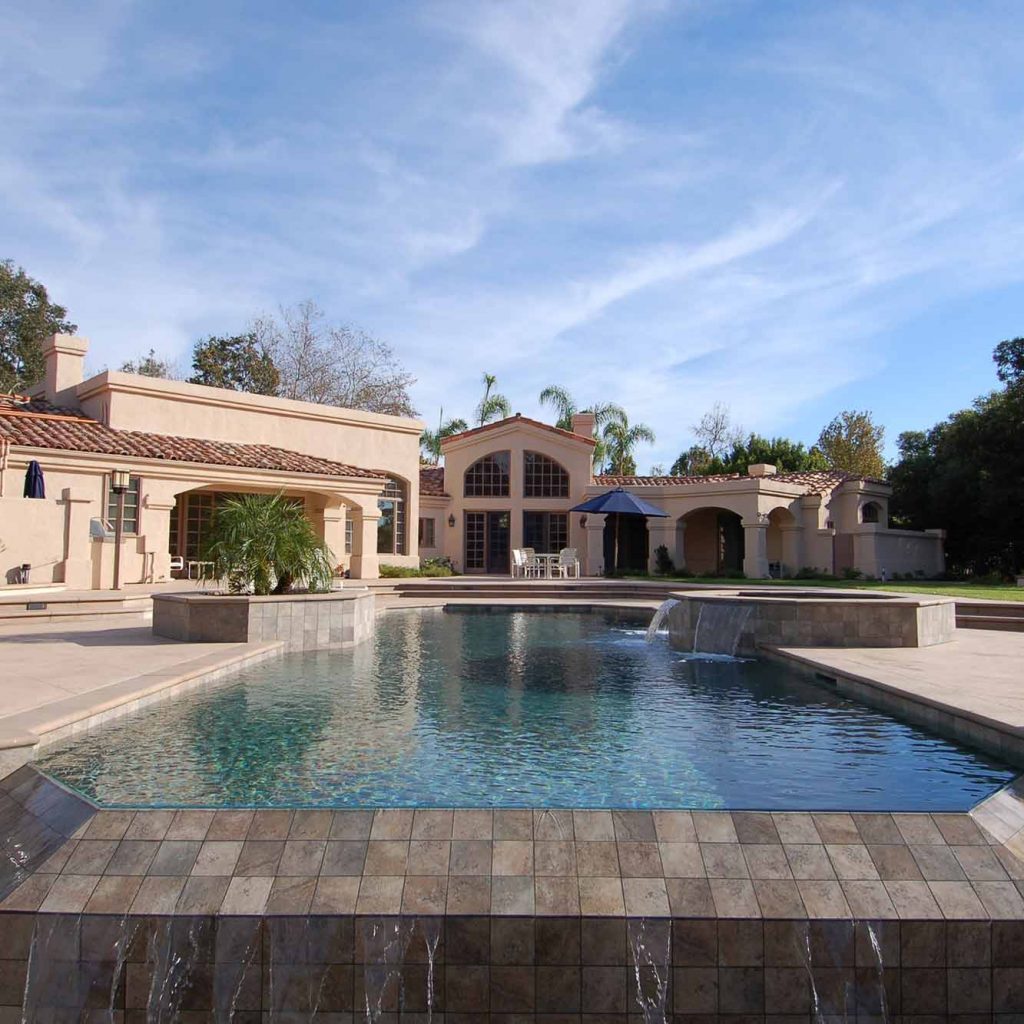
(432, 482)
(37, 424)
(814, 482)
(518, 418)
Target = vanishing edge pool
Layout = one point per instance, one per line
(494, 708)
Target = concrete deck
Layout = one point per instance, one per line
(979, 675)
(56, 676)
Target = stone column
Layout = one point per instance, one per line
(365, 563)
(680, 555)
(792, 549)
(76, 567)
(660, 531)
(755, 548)
(334, 530)
(156, 559)
(595, 545)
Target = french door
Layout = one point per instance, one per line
(487, 542)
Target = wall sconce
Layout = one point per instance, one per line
(451, 521)
(583, 520)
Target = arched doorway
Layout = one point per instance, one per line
(712, 541)
(780, 543)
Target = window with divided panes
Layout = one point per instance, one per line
(489, 477)
(543, 477)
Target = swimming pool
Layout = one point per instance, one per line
(511, 708)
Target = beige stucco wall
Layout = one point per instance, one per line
(32, 531)
(575, 456)
(389, 444)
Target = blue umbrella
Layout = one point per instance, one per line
(619, 503)
(34, 485)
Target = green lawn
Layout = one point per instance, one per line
(967, 591)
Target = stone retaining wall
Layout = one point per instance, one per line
(815, 620)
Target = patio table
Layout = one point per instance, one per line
(548, 561)
(198, 566)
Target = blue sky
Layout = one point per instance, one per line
(788, 207)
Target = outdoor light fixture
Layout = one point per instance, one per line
(120, 481)
(583, 520)
(451, 520)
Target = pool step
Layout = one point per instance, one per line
(64, 608)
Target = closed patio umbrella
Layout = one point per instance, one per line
(618, 503)
(35, 486)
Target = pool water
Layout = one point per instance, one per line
(511, 708)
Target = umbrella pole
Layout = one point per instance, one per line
(618, 528)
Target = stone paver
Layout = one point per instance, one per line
(917, 875)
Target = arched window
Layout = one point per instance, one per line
(391, 524)
(488, 477)
(543, 477)
(870, 512)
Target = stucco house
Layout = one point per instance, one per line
(512, 483)
(504, 485)
(356, 473)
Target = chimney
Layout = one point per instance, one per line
(583, 424)
(761, 469)
(65, 359)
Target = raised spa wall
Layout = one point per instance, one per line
(304, 622)
(740, 623)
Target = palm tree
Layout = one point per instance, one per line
(620, 439)
(263, 544)
(603, 413)
(430, 440)
(492, 406)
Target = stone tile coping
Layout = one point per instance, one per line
(58, 719)
(557, 863)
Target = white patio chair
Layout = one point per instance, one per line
(533, 568)
(567, 565)
(177, 563)
(518, 563)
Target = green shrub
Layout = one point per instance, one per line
(849, 573)
(663, 564)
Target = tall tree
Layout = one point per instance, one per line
(238, 362)
(1009, 359)
(692, 462)
(715, 431)
(621, 439)
(334, 365)
(492, 406)
(27, 317)
(430, 440)
(149, 365)
(786, 455)
(966, 475)
(852, 442)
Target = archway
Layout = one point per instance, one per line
(711, 541)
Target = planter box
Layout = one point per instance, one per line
(305, 622)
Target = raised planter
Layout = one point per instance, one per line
(305, 622)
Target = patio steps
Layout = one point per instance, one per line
(1007, 616)
(80, 607)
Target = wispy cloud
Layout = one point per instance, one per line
(662, 204)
